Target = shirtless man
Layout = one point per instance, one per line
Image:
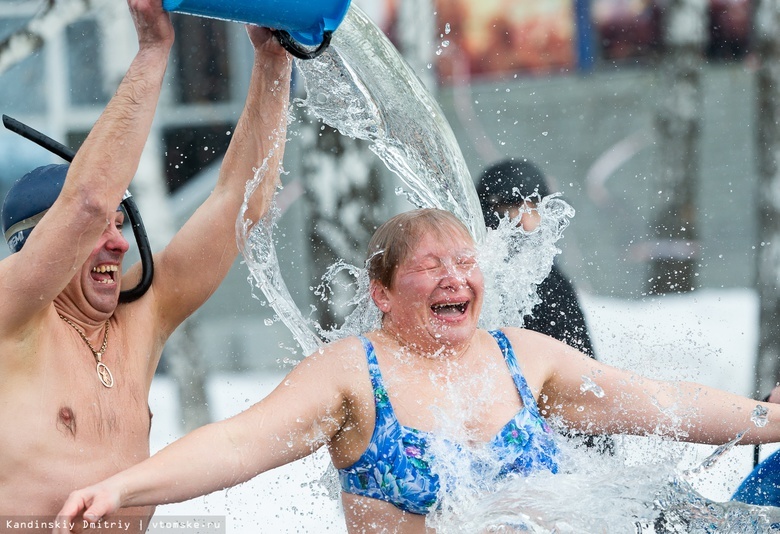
(65, 425)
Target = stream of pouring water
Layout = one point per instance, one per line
(362, 87)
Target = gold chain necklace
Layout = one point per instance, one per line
(103, 372)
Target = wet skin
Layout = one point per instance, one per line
(69, 430)
(442, 373)
(66, 436)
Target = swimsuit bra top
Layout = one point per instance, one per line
(397, 465)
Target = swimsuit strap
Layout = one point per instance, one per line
(396, 465)
(373, 368)
(520, 383)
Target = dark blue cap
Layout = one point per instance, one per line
(28, 200)
(508, 183)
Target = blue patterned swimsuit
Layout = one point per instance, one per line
(396, 467)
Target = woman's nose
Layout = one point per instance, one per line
(454, 276)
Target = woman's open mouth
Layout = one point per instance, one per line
(450, 310)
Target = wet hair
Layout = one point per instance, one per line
(393, 242)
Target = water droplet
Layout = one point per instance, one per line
(445, 44)
(759, 416)
(590, 385)
(545, 133)
(429, 65)
(268, 322)
(447, 28)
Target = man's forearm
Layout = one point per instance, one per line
(108, 159)
(261, 130)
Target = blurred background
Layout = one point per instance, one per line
(656, 120)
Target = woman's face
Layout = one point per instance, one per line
(436, 295)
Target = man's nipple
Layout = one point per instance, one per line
(66, 421)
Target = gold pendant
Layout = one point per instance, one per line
(105, 376)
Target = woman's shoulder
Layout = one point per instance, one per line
(341, 347)
(534, 346)
(524, 335)
(344, 354)
(541, 351)
(340, 364)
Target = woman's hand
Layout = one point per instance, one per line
(92, 503)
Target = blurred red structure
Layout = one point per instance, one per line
(633, 28)
(491, 38)
(496, 37)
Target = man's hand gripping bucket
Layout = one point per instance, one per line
(297, 23)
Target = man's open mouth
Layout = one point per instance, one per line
(104, 274)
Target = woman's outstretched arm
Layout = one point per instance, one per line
(303, 413)
(633, 404)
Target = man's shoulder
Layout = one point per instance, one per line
(25, 338)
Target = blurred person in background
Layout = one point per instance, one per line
(512, 186)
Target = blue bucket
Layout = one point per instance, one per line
(309, 22)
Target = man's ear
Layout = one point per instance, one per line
(379, 296)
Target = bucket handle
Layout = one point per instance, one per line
(292, 46)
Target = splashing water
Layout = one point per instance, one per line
(363, 88)
(596, 493)
(562, 502)
(715, 456)
(514, 262)
(590, 385)
(759, 416)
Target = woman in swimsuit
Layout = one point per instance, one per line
(385, 404)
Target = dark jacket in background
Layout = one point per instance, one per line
(559, 314)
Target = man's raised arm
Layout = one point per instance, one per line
(96, 180)
(196, 261)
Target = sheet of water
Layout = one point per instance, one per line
(363, 88)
